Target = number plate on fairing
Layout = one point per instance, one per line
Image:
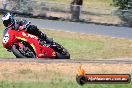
(6, 38)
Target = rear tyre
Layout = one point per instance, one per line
(25, 52)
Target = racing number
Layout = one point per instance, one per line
(6, 38)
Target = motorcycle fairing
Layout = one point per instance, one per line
(13, 36)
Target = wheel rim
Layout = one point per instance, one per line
(25, 51)
(60, 49)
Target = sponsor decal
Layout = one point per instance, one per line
(83, 78)
(29, 35)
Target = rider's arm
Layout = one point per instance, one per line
(23, 24)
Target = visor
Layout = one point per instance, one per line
(7, 22)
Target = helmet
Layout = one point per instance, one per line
(8, 20)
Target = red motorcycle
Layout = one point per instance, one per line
(25, 45)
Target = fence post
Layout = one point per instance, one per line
(75, 12)
(76, 9)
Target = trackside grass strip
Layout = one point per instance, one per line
(84, 46)
(60, 84)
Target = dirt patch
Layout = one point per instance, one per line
(42, 71)
(104, 19)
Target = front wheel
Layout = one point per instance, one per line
(23, 51)
(61, 52)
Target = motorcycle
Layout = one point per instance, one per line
(25, 45)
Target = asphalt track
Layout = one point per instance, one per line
(68, 61)
(113, 31)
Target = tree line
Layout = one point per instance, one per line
(124, 10)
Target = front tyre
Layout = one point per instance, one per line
(23, 52)
(61, 52)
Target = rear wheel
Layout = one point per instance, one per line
(61, 52)
(25, 51)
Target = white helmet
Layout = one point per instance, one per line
(8, 20)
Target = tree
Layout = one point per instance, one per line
(25, 6)
(122, 4)
(125, 10)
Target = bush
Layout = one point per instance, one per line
(123, 4)
(125, 10)
(25, 6)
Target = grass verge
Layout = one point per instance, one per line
(83, 46)
(58, 83)
(87, 3)
(43, 75)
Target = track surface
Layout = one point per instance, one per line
(68, 61)
(118, 32)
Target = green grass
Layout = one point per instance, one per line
(83, 46)
(58, 83)
(24, 76)
(105, 4)
(4, 53)
(100, 4)
(85, 2)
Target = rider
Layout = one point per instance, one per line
(10, 23)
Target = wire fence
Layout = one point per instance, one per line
(63, 11)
